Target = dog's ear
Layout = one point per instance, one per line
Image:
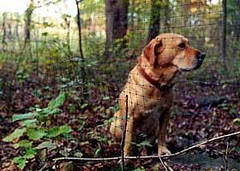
(152, 51)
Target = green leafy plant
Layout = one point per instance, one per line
(144, 144)
(140, 169)
(236, 121)
(22, 75)
(33, 130)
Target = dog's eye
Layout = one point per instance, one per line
(182, 45)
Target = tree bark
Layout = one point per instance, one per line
(80, 41)
(68, 28)
(154, 25)
(4, 28)
(167, 16)
(116, 22)
(28, 21)
(132, 14)
(224, 34)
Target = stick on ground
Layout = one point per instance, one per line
(153, 156)
(124, 135)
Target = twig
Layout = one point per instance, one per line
(225, 158)
(149, 157)
(229, 82)
(202, 143)
(165, 167)
(124, 135)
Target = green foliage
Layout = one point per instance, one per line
(58, 130)
(23, 116)
(56, 103)
(30, 123)
(23, 143)
(34, 126)
(22, 75)
(98, 152)
(71, 108)
(139, 169)
(156, 167)
(17, 133)
(30, 153)
(144, 144)
(20, 161)
(230, 108)
(82, 124)
(36, 134)
(236, 121)
(237, 149)
(116, 107)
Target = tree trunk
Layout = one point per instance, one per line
(80, 41)
(132, 14)
(4, 28)
(68, 27)
(116, 22)
(17, 30)
(167, 16)
(185, 11)
(224, 34)
(28, 21)
(154, 25)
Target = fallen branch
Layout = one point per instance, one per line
(165, 165)
(229, 82)
(148, 157)
(124, 135)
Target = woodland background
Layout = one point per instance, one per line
(60, 79)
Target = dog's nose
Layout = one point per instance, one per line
(201, 55)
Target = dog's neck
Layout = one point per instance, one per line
(160, 78)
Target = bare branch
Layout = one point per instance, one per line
(150, 157)
(124, 134)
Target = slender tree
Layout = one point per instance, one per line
(167, 15)
(80, 40)
(132, 7)
(67, 26)
(116, 22)
(224, 34)
(233, 11)
(154, 25)
(28, 21)
(4, 28)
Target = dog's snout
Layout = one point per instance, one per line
(201, 55)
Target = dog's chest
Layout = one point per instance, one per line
(150, 118)
(154, 111)
(152, 108)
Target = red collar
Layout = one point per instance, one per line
(153, 81)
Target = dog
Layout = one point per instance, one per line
(149, 89)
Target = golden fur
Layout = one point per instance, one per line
(149, 89)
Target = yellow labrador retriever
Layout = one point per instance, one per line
(149, 89)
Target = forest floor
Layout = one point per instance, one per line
(201, 111)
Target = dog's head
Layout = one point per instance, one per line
(173, 50)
